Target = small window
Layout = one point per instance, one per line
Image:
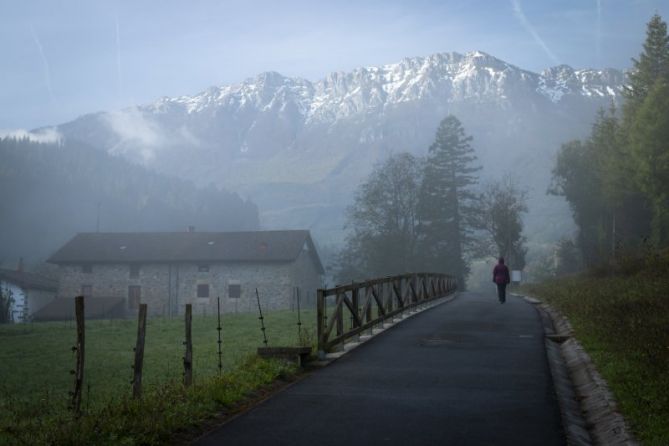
(203, 290)
(134, 271)
(203, 268)
(234, 289)
(87, 290)
(87, 268)
(134, 296)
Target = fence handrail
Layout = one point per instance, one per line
(391, 295)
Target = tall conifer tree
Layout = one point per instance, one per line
(448, 205)
(647, 126)
(652, 64)
(649, 146)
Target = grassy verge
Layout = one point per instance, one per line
(159, 417)
(623, 323)
(36, 359)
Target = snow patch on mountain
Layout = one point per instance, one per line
(453, 76)
(556, 82)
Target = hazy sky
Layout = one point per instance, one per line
(64, 58)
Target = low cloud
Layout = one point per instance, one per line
(47, 135)
(138, 136)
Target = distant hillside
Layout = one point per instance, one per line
(48, 192)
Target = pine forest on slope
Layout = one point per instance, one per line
(48, 192)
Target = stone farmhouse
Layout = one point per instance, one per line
(169, 270)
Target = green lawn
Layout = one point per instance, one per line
(36, 359)
(623, 323)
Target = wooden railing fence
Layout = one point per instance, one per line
(371, 302)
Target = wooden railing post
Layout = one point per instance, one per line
(355, 300)
(340, 315)
(386, 296)
(426, 290)
(188, 356)
(320, 322)
(412, 291)
(139, 352)
(400, 293)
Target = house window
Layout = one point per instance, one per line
(203, 268)
(87, 290)
(87, 268)
(134, 271)
(203, 290)
(134, 296)
(234, 289)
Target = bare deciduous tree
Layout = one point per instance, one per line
(503, 205)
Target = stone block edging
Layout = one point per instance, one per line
(597, 405)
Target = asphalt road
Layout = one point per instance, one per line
(467, 372)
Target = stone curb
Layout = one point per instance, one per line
(589, 411)
(350, 346)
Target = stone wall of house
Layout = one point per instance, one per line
(36, 299)
(167, 288)
(273, 281)
(113, 280)
(307, 278)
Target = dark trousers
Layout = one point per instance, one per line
(501, 292)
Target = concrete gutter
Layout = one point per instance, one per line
(589, 411)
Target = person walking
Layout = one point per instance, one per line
(500, 275)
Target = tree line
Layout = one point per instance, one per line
(617, 180)
(49, 192)
(429, 214)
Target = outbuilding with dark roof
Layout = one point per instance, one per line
(29, 292)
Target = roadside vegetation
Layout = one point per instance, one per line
(621, 316)
(36, 359)
(616, 182)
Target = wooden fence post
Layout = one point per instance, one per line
(188, 357)
(219, 329)
(139, 352)
(79, 348)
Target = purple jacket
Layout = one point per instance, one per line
(500, 274)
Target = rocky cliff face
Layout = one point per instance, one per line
(299, 148)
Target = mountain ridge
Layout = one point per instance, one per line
(300, 148)
(562, 75)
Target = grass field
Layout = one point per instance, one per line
(623, 323)
(36, 359)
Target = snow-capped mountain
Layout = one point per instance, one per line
(299, 148)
